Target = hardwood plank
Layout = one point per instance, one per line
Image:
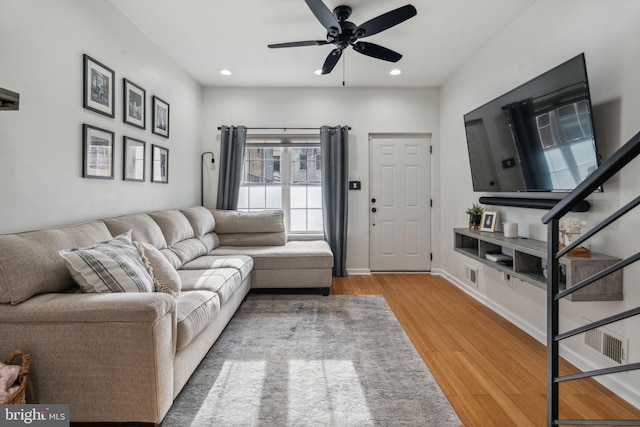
(493, 373)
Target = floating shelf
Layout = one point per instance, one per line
(529, 259)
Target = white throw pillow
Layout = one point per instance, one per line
(166, 278)
(111, 266)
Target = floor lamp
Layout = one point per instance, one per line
(213, 166)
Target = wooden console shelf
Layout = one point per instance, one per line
(529, 259)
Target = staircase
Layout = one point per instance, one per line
(607, 170)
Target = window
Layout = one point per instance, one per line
(284, 173)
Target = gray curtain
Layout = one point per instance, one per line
(232, 141)
(334, 143)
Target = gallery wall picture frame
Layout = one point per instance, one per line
(160, 124)
(159, 164)
(135, 104)
(97, 152)
(133, 159)
(98, 87)
(488, 221)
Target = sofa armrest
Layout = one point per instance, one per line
(90, 307)
(109, 356)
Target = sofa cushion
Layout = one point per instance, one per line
(204, 224)
(179, 235)
(242, 263)
(30, 264)
(111, 266)
(261, 228)
(196, 311)
(223, 281)
(171, 256)
(144, 229)
(188, 250)
(174, 225)
(201, 219)
(312, 254)
(160, 268)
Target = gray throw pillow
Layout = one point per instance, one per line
(111, 266)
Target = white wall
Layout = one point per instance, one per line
(365, 110)
(41, 47)
(549, 33)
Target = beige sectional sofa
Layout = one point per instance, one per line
(125, 356)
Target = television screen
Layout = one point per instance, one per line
(537, 137)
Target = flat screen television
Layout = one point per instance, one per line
(537, 137)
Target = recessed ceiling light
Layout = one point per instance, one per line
(395, 72)
(226, 72)
(317, 72)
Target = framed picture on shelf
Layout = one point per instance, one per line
(488, 221)
(97, 152)
(159, 164)
(135, 105)
(98, 87)
(160, 117)
(133, 165)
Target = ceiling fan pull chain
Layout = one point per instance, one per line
(344, 58)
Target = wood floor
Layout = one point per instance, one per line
(493, 373)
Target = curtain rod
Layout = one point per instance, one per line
(283, 128)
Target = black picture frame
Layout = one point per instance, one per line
(134, 104)
(160, 125)
(97, 152)
(133, 159)
(159, 164)
(98, 92)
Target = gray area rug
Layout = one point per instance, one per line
(290, 360)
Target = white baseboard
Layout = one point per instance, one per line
(616, 386)
(358, 272)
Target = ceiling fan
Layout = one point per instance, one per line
(343, 33)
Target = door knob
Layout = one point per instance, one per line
(373, 200)
(374, 210)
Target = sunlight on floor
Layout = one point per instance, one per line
(238, 388)
(326, 391)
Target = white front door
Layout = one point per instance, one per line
(399, 203)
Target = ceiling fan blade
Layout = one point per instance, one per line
(325, 16)
(377, 51)
(331, 61)
(385, 21)
(299, 44)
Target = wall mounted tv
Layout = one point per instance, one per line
(537, 137)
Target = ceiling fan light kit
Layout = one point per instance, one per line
(343, 33)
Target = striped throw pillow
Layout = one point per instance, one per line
(111, 266)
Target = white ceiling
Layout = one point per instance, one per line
(205, 36)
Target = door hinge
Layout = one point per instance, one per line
(431, 256)
(431, 149)
(430, 203)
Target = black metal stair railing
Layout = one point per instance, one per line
(608, 169)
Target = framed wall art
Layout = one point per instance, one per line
(160, 117)
(133, 165)
(135, 104)
(97, 152)
(488, 221)
(98, 87)
(159, 164)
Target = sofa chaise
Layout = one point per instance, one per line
(125, 356)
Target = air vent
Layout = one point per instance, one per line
(471, 275)
(607, 343)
